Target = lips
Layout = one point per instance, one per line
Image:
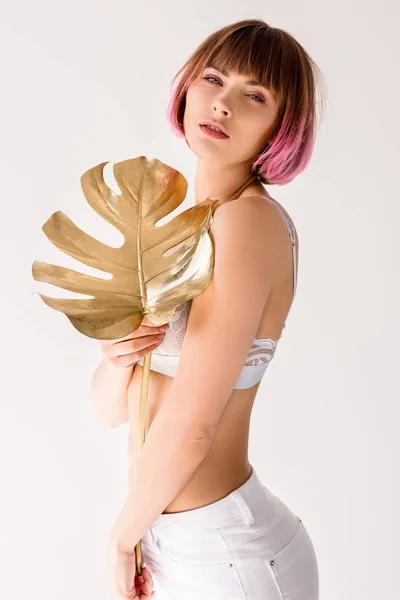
(215, 124)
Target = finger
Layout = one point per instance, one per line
(145, 330)
(141, 334)
(145, 325)
(147, 576)
(135, 349)
(141, 343)
(138, 332)
(146, 322)
(148, 585)
(132, 359)
(146, 589)
(149, 327)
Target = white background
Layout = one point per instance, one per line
(87, 82)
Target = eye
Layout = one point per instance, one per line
(208, 77)
(259, 98)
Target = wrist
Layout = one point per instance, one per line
(112, 368)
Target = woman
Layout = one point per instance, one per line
(209, 528)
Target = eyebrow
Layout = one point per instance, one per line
(248, 82)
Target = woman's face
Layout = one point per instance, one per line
(247, 112)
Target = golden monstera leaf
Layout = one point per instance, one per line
(146, 279)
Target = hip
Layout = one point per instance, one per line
(245, 546)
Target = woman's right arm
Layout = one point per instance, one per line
(111, 378)
(109, 392)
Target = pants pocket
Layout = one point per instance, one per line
(197, 549)
(294, 568)
(195, 566)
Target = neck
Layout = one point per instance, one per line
(216, 181)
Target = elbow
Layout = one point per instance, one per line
(113, 424)
(185, 433)
(200, 436)
(195, 431)
(110, 422)
(110, 418)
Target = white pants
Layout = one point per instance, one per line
(246, 546)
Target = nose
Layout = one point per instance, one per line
(219, 105)
(224, 111)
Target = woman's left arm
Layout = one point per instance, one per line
(249, 239)
(169, 457)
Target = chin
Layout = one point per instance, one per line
(204, 147)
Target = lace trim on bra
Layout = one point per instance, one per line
(262, 351)
(173, 339)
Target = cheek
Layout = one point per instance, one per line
(258, 132)
(253, 134)
(191, 102)
(195, 108)
(253, 138)
(194, 95)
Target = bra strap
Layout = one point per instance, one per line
(290, 229)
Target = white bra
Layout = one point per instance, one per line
(165, 357)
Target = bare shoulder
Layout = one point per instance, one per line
(254, 213)
(263, 197)
(247, 232)
(244, 217)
